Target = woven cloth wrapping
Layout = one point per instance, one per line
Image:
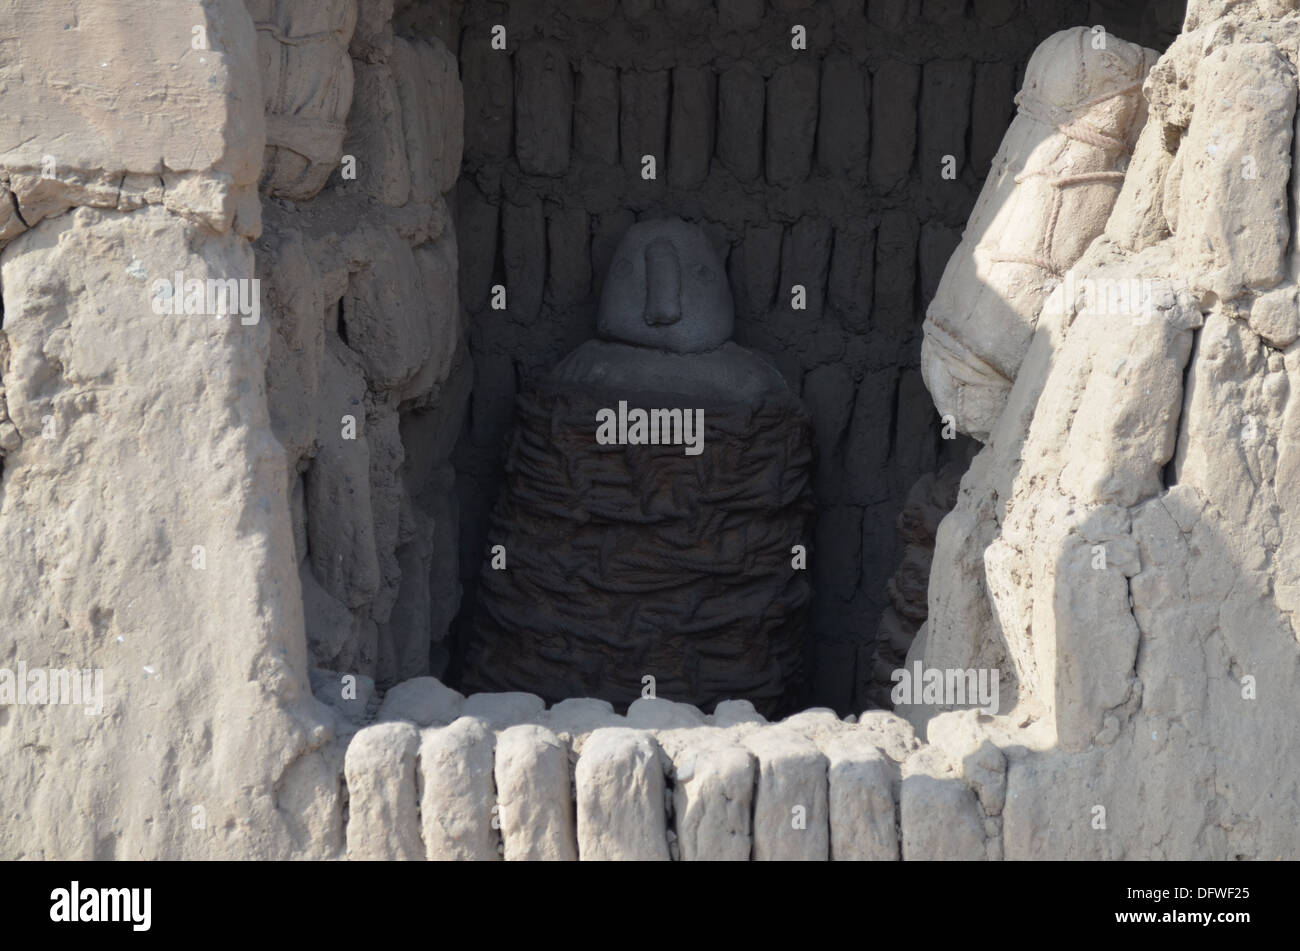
(627, 561)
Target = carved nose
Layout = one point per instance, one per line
(663, 281)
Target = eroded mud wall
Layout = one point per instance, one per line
(368, 375)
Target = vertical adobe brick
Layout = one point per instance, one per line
(915, 445)
(595, 113)
(740, 14)
(643, 118)
(893, 122)
(828, 397)
(805, 259)
(992, 103)
(938, 242)
(543, 108)
(943, 11)
(996, 12)
(945, 115)
(609, 231)
(866, 452)
(637, 9)
(476, 237)
(895, 273)
(492, 408)
(843, 125)
(754, 268)
(852, 277)
(791, 122)
(740, 121)
(880, 552)
(691, 132)
(686, 8)
(569, 237)
(887, 14)
(523, 248)
(489, 99)
(592, 10)
(837, 569)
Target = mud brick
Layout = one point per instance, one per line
(691, 134)
(544, 97)
(945, 115)
(866, 452)
(828, 397)
(992, 103)
(643, 118)
(880, 551)
(791, 122)
(489, 100)
(492, 410)
(938, 242)
(916, 444)
(943, 11)
(739, 14)
(476, 236)
(569, 235)
(996, 12)
(837, 566)
(740, 121)
(754, 268)
(843, 126)
(852, 277)
(686, 8)
(523, 238)
(893, 122)
(805, 259)
(887, 14)
(895, 273)
(591, 9)
(595, 113)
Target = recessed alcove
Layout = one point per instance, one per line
(831, 151)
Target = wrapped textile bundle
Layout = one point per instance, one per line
(1048, 195)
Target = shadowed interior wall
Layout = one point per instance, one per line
(821, 167)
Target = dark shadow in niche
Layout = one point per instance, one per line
(867, 248)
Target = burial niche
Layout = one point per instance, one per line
(650, 533)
